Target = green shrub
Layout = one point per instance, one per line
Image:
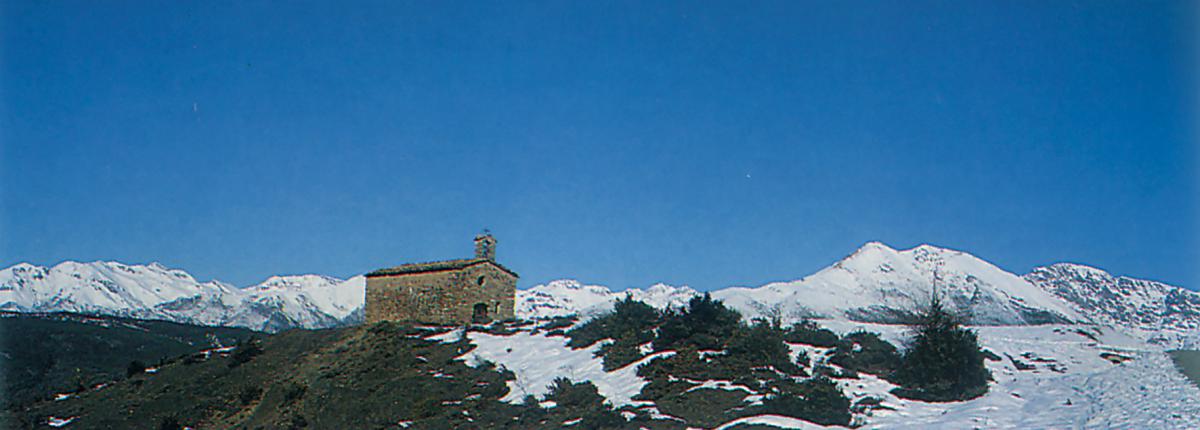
(191, 359)
(761, 344)
(293, 392)
(630, 320)
(944, 361)
(630, 325)
(818, 400)
(558, 323)
(244, 352)
(867, 403)
(809, 333)
(755, 356)
(169, 423)
(580, 401)
(705, 324)
(802, 359)
(866, 353)
(495, 328)
(249, 394)
(704, 407)
(619, 354)
(833, 373)
(685, 363)
(135, 367)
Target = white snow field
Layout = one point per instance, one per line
(1065, 384)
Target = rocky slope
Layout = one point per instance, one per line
(1163, 314)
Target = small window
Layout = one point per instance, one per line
(480, 281)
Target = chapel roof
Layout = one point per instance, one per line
(436, 266)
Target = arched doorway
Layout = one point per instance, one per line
(480, 314)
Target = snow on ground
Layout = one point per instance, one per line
(1048, 377)
(450, 336)
(815, 354)
(1144, 393)
(1066, 384)
(713, 384)
(537, 360)
(774, 421)
(59, 422)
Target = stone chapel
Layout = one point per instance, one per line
(469, 290)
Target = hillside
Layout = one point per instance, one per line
(60, 353)
(391, 376)
(384, 376)
(396, 376)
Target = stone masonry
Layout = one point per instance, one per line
(474, 290)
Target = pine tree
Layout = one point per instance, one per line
(944, 361)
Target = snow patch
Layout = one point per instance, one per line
(537, 360)
(779, 421)
(59, 422)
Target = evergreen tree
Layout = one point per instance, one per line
(630, 325)
(582, 402)
(629, 320)
(705, 324)
(761, 344)
(944, 361)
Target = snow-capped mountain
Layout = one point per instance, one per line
(880, 284)
(874, 284)
(157, 292)
(308, 301)
(1163, 314)
(570, 297)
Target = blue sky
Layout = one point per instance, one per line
(621, 143)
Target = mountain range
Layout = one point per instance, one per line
(875, 284)
(156, 292)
